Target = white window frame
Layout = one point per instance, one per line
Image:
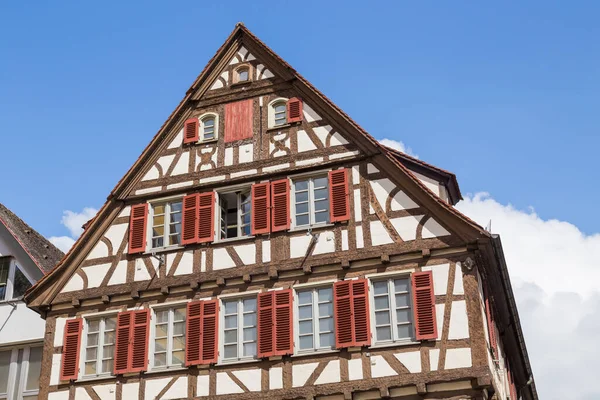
(238, 70)
(169, 351)
(167, 226)
(240, 328)
(12, 266)
(389, 278)
(316, 328)
(20, 389)
(240, 189)
(201, 127)
(271, 112)
(99, 346)
(311, 200)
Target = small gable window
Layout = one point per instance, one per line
(208, 128)
(13, 282)
(242, 74)
(280, 114)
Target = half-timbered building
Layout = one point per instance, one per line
(264, 244)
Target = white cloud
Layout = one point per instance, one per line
(394, 144)
(555, 271)
(73, 221)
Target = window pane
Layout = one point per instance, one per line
(327, 340)
(179, 328)
(382, 302)
(380, 287)
(326, 325)
(249, 304)
(160, 359)
(382, 318)
(305, 327)
(280, 108)
(231, 351)
(92, 339)
(108, 351)
(301, 196)
(94, 325)
(321, 194)
(161, 330)
(231, 322)
(4, 367)
(179, 343)
(110, 323)
(230, 307)
(179, 314)
(178, 357)
(403, 315)
(305, 312)
(302, 219)
(300, 185)
(90, 368)
(250, 319)
(401, 285)
(320, 182)
(402, 300)
(249, 334)
(321, 217)
(404, 331)
(249, 349)
(384, 333)
(325, 309)
(21, 284)
(306, 342)
(91, 354)
(301, 208)
(109, 337)
(35, 364)
(305, 297)
(162, 316)
(107, 366)
(325, 294)
(160, 345)
(231, 336)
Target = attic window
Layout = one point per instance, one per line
(13, 282)
(279, 110)
(242, 74)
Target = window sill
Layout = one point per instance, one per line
(310, 227)
(392, 344)
(232, 362)
(166, 369)
(159, 250)
(314, 353)
(278, 127)
(235, 239)
(209, 141)
(95, 378)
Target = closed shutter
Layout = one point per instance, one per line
(261, 208)
(122, 347)
(294, 110)
(70, 351)
(137, 228)
(190, 219)
(266, 324)
(139, 340)
(424, 305)
(280, 205)
(283, 322)
(190, 130)
(351, 305)
(201, 332)
(209, 327)
(338, 195)
(490, 323)
(206, 217)
(238, 120)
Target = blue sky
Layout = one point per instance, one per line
(504, 95)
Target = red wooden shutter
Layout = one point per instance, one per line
(238, 120)
(490, 323)
(70, 351)
(206, 217)
(192, 333)
(140, 331)
(424, 305)
(280, 205)
(352, 320)
(339, 209)
(190, 219)
(261, 208)
(210, 331)
(266, 324)
(283, 323)
(294, 110)
(137, 228)
(190, 130)
(122, 354)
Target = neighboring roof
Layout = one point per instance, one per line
(443, 176)
(43, 253)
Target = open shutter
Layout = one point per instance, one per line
(192, 333)
(283, 323)
(209, 327)
(261, 208)
(424, 305)
(139, 340)
(280, 205)
(70, 351)
(294, 110)
(190, 219)
(190, 130)
(206, 217)
(351, 305)
(266, 324)
(137, 228)
(491, 324)
(122, 354)
(338, 195)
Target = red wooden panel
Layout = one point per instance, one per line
(280, 205)
(190, 130)
(206, 217)
(294, 110)
(238, 120)
(284, 340)
(266, 324)
(424, 305)
(210, 331)
(122, 355)
(189, 231)
(261, 208)
(70, 351)
(137, 228)
(339, 209)
(140, 332)
(360, 312)
(192, 333)
(342, 305)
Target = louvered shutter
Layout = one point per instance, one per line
(261, 208)
(424, 305)
(294, 110)
(206, 217)
(193, 333)
(283, 322)
(238, 120)
(280, 205)
(140, 331)
(351, 305)
(70, 351)
(190, 130)
(189, 231)
(266, 324)
(122, 346)
(209, 327)
(490, 323)
(137, 228)
(339, 209)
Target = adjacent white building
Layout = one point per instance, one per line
(25, 256)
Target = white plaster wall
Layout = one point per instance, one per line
(406, 227)
(439, 316)
(458, 280)
(335, 156)
(411, 360)
(130, 391)
(325, 244)
(119, 275)
(434, 358)
(177, 141)
(432, 228)
(81, 394)
(55, 369)
(266, 251)
(459, 322)
(59, 331)
(226, 385)
(151, 174)
(228, 156)
(96, 274)
(458, 358)
(309, 161)
(107, 392)
(276, 378)
(330, 374)
(345, 245)
(276, 167)
(440, 277)
(380, 367)
(179, 185)
(321, 132)
(221, 259)
(310, 115)
(301, 373)
(186, 265)
(177, 391)
(379, 235)
(371, 169)
(360, 242)
(62, 395)
(355, 369)
(337, 140)
(355, 175)
(75, 283)
(20, 324)
(251, 378)
(247, 253)
(431, 184)
(243, 173)
(100, 250)
(304, 142)
(202, 386)
(357, 206)
(116, 234)
(246, 154)
(182, 166)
